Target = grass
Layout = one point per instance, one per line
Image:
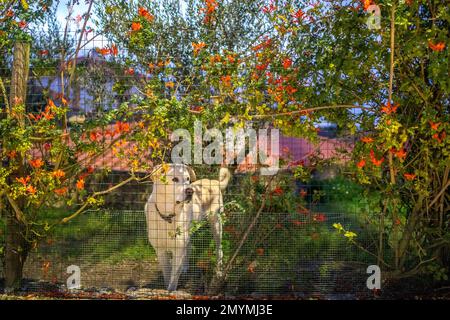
(98, 236)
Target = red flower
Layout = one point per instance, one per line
(122, 127)
(51, 105)
(93, 136)
(278, 191)
(262, 66)
(60, 191)
(409, 176)
(145, 14)
(109, 133)
(48, 114)
(36, 163)
(22, 24)
(114, 50)
(287, 63)
(136, 26)
(197, 109)
(440, 46)
(401, 154)
(374, 160)
(260, 251)
(319, 217)
(129, 71)
(231, 58)
(80, 184)
(436, 137)
(361, 164)
(226, 80)
(58, 174)
(367, 139)
(366, 4)
(389, 108)
(170, 84)
(290, 89)
(197, 47)
(32, 190)
(440, 137)
(211, 6)
(268, 9)
(24, 181)
(434, 126)
(12, 154)
(103, 51)
(299, 15)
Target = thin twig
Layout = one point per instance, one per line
(347, 106)
(250, 227)
(103, 192)
(439, 194)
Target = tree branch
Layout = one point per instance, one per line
(250, 227)
(344, 106)
(19, 214)
(439, 195)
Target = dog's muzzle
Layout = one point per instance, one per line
(189, 192)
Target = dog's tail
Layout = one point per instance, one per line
(224, 178)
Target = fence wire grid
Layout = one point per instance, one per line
(292, 249)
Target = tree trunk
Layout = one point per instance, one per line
(17, 247)
(411, 225)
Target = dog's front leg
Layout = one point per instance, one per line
(178, 260)
(164, 262)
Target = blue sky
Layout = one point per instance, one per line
(62, 12)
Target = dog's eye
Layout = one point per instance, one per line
(175, 179)
(187, 178)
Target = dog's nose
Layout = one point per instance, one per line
(189, 191)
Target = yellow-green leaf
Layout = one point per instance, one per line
(25, 5)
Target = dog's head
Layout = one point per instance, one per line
(172, 182)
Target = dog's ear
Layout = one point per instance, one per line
(192, 174)
(158, 171)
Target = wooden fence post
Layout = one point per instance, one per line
(16, 245)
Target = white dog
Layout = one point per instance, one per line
(176, 201)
